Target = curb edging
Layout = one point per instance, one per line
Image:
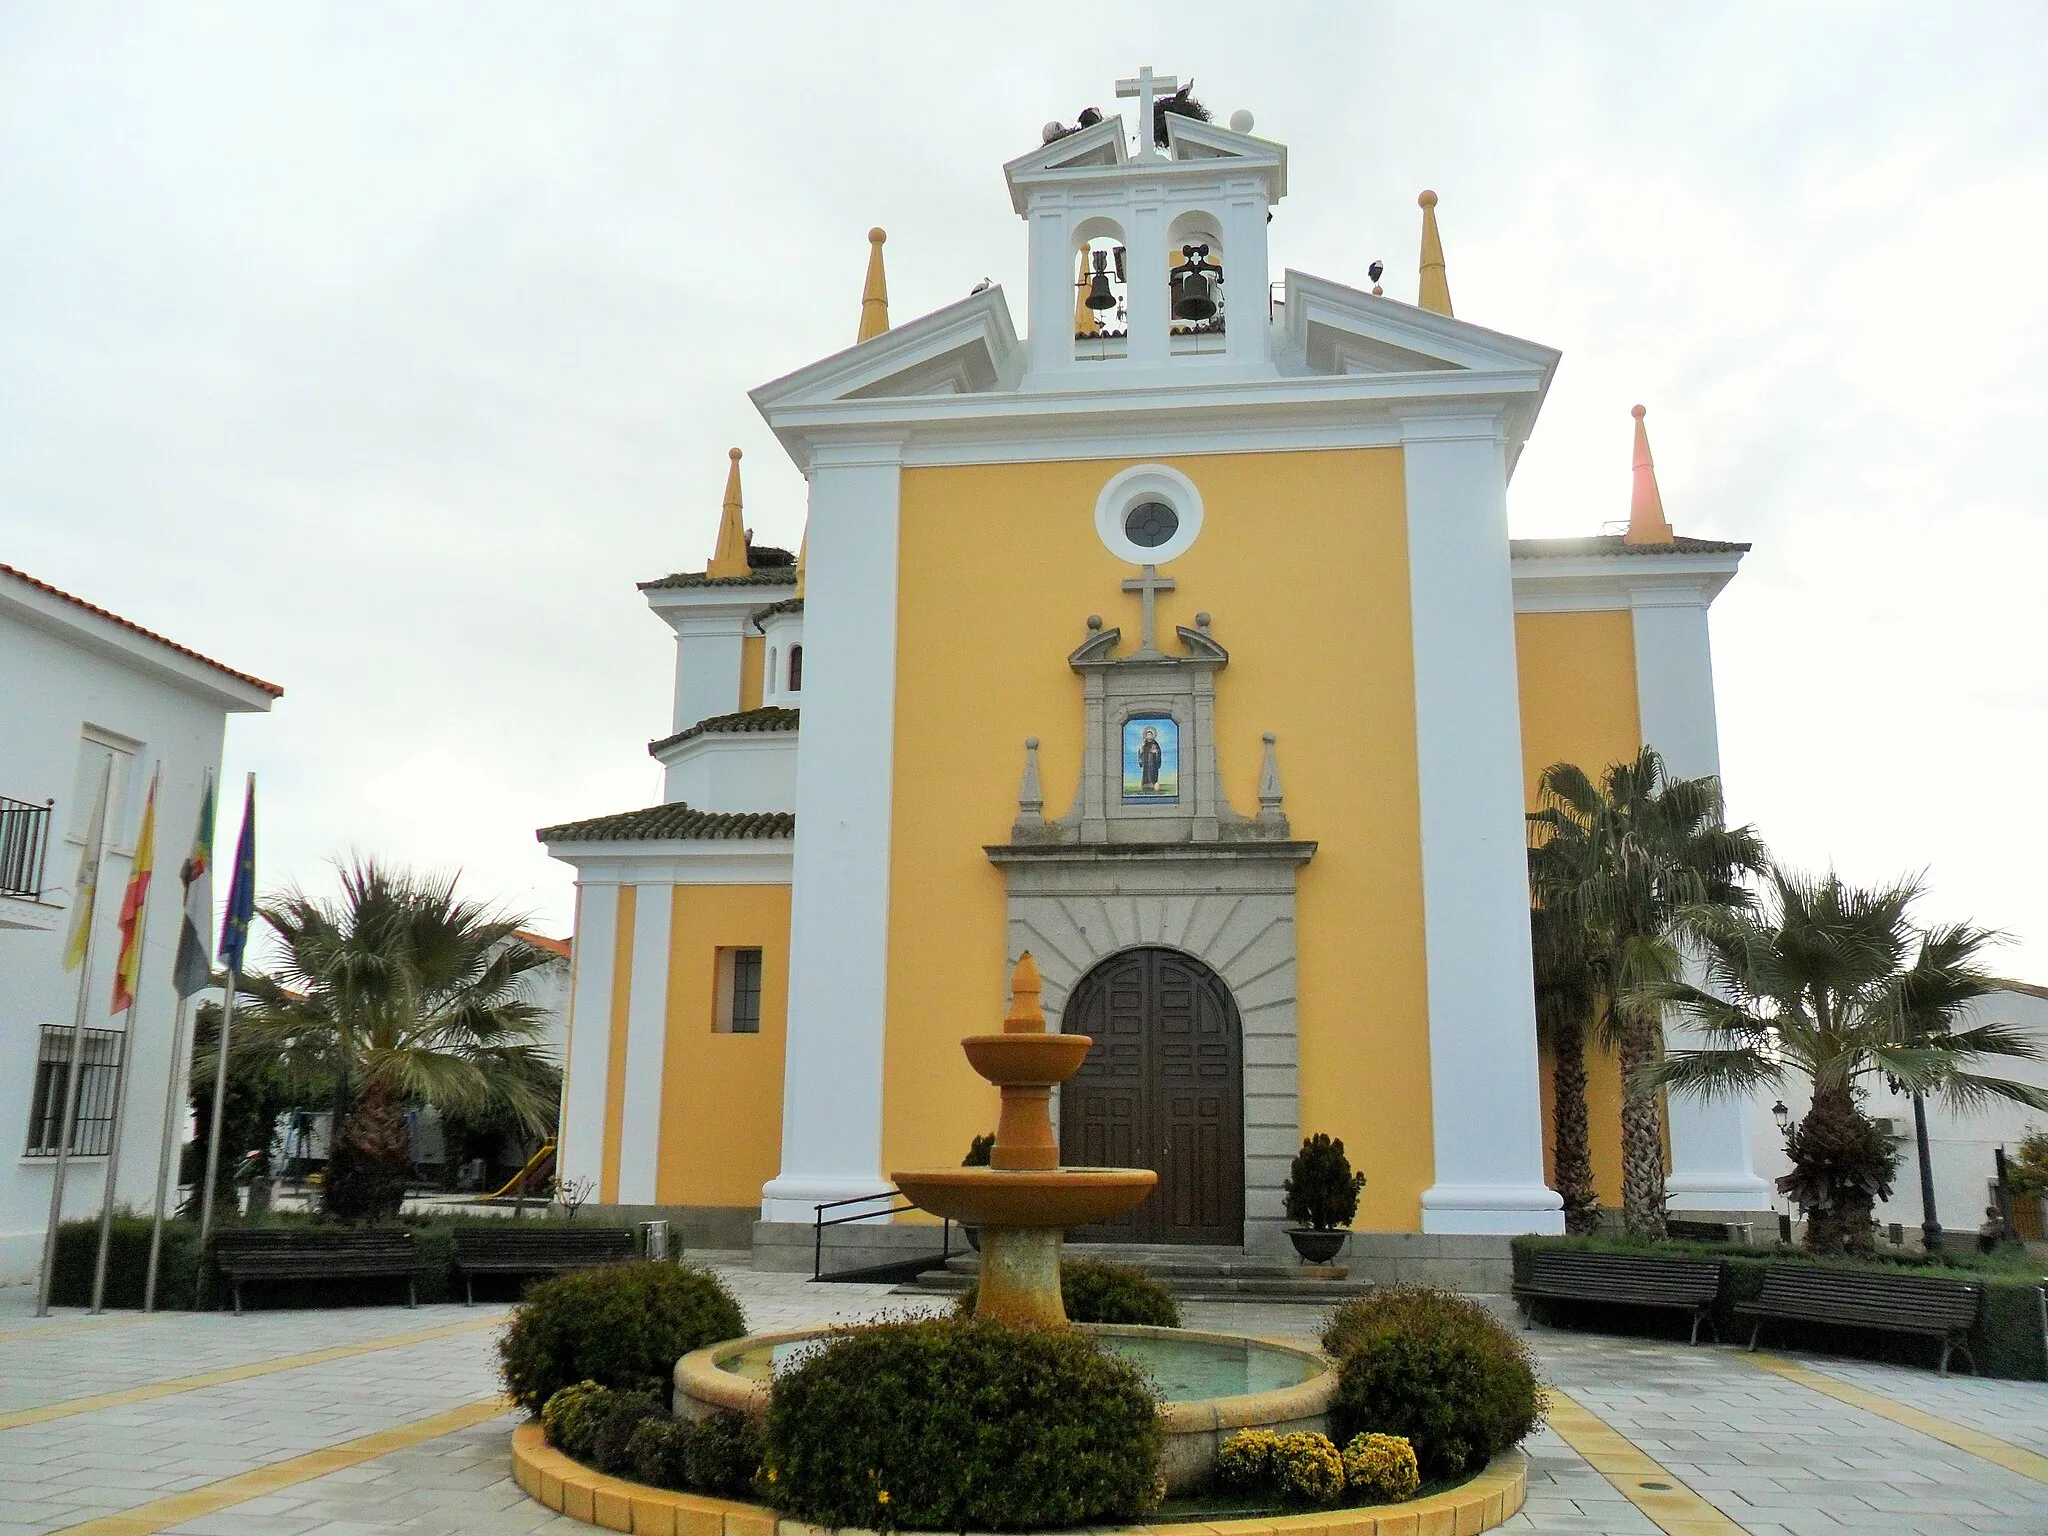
(570, 1488)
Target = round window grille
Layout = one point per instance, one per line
(1150, 524)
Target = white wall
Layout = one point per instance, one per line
(54, 686)
(1960, 1145)
(743, 771)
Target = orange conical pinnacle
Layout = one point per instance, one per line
(1646, 522)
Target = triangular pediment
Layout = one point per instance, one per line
(966, 348)
(1099, 144)
(1189, 139)
(1335, 329)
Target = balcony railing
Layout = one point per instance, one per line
(24, 847)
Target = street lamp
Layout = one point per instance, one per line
(1783, 1116)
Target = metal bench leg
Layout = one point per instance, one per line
(1695, 1329)
(1964, 1346)
(412, 1293)
(238, 1296)
(1946, 1346)
(1755, 1329)
(469, 1286)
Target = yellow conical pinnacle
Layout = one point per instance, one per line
(1434, 292)
(1646, 520)
(1085, 323)
(730, 558)
(1025, 1016)
(874, 296)
(802, 549)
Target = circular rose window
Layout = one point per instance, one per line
(1148, 514)
(1150, 524)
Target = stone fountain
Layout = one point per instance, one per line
(1024, 1200)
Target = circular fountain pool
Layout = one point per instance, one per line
(1210, 1384)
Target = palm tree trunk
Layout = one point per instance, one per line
(370, 1162)
(1642, 1131)
(1573, 1156)
(1830, 1144)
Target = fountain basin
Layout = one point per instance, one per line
(1211, 1385)
(1055, 1198)
(1026, 1060)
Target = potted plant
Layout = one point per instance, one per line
(979, 1151)
(1322, 1198)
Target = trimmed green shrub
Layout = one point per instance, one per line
(1321, 1190)
(950, 1425)
(1095, 1292)
(725, 1455)
(570, 1417)
(1244, 1464)
(622, 1326)
(2006, 1341)
(1435, 1368)
(1307, 1468)
(626, 1412)
(1380, 1468)
(658, 1453)
(78, 1242)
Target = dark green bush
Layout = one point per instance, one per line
(947, 1425)
(626, 1412)
(658, 1453)
(1095, 1292)
(622, 1326)
(571, 1416)
(78, 1244)
(2006, 1341)
(1321, 1190)
(724, 1455)
(1435, 1368)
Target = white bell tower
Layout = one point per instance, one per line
(1091, 190)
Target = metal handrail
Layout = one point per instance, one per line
(819, 1223)
(24, 847)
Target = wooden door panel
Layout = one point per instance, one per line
(1161, 1089)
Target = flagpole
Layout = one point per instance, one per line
(227, 1019)
(74, 1078)
(99, 1266)
(166, 1152)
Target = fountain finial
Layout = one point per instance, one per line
(1025, 1016)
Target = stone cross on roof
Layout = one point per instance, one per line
(1148, 587)
(1145, 87)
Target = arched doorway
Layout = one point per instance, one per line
(1162, 1088)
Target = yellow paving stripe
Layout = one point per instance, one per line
(194, 1503)
(1643, 1481)
(71, 1407)
(2002, 1453)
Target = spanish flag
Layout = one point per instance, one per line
(129, 968)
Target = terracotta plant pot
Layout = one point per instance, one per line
(1316, 1247)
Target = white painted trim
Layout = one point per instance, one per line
(839, 901)
(590, 1028)
(713, 861)
(1148, 482)
(1484, 1079)
(646, 1044)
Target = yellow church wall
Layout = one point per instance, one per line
(999, 568)
(1578, 696)
(752, 663)
(721, 1094)
(615, 1074)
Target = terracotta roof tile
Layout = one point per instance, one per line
(676, 822)
(148, 634)
(1615, 544)
(787, 605)
(745, 722)
(559, 948)
(775, 576)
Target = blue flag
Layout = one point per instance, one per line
(234, 929)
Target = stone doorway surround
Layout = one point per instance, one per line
(1196, 876)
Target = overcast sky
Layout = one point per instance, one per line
(380, 349)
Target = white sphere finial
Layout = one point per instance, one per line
(1240, 121)
(1051, 131)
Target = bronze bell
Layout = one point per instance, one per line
(1099, 296)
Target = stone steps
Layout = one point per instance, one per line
(1191, 1274)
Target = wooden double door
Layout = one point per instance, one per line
(1162, 1088)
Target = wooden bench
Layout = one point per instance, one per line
(1928, 1305)
(1626, 1279)
(316, 1253)
(536, 1248)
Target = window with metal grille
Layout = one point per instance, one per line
(95, 1127)
(739, 992)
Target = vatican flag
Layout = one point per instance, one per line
(86, 887)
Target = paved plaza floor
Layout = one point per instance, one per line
(376, 1421)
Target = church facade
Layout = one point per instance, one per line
(1181, 643)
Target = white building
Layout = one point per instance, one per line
(78, 686)
(1962, 1147)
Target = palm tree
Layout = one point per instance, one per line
(1619, 861)
(400, 993)
(1567, 1000)
(1834, 982)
